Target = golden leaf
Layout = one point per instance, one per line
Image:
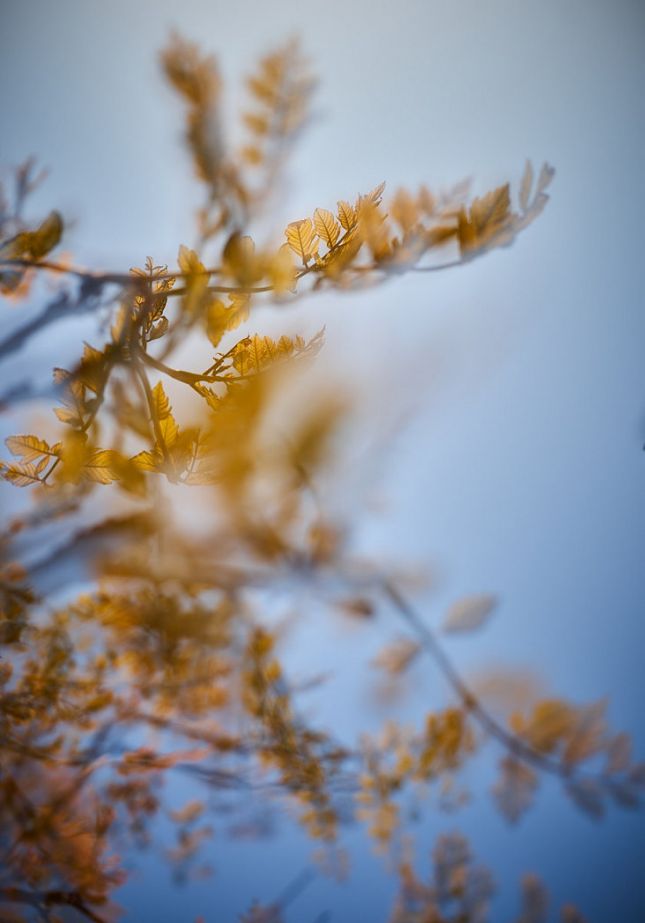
(372, 228)
(162, 412)
(346, 215)
(196, 78)
(196, 279)
(426, 202)
(34, 244)
(489, 222)
(74, 454)
(281, 88)
(100, 466)
(21, 475)
(376, 194)
(326, 226)
(281, 270)
(169, 429)
(492, 209)
(221, 318)
(147, 461)
(212, 399)
(192, 75)
(404, 210)
(550, 724)
(255, 353)
(188, 261)
(160, 401)
(302, 239)
(239, 259)
(258, 124)
(30, 448)
(91, 370)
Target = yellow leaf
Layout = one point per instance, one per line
(488, 222)
(258, 124)
(189, 262)
(372, 228)
(301, 238)
(221, 318)
(69, 415)
(346, 215)
(192, 74)
(184, 447)
(327, 228)
(376, 194)
(100, 466)
(20, 475)
(196, 77)
(426, 201)
(252, 354)
(163, 414)
(74, 454)
(196, 279)
(35, 244)
(212, 399)
(91, 370)
(281, 88)
(404, 210)
(160, 401)
(30, 448)
(147, 461)
(169, 429)
(491, 210)
(281, 270)
(240, 260)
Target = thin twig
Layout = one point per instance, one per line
(471, 703)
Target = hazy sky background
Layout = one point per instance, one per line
(520, 469)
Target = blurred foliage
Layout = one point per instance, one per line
(168, 663)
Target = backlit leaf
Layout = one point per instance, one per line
(302, 239)
(346, 215)
(21, 475)
(221, 318)
(326, 226)
(100, 466)
(30, 448)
